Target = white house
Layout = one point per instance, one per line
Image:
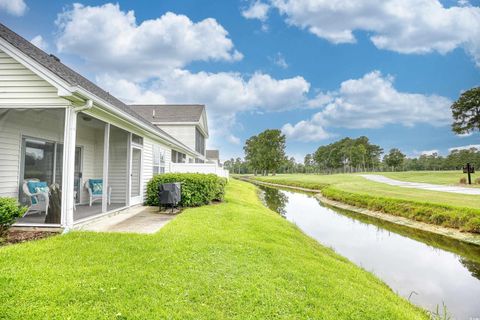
(58, 127)
(187, 123)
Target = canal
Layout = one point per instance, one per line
(430, 270)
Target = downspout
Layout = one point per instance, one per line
(88, 105)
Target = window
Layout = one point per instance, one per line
(137, 139)
(39, 160)
(178, 157)
(158, 160)
(199, 142)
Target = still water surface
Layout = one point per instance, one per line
(428, 269)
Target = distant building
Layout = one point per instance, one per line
(187, 123)
(213, 156)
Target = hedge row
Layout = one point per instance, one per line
(197, 189)
(465, 219)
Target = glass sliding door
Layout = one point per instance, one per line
(31, 160)
(77, 174)
(39, 160)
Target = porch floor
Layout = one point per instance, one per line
(81, 212)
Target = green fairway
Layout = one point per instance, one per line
(231, 260)
(442, 208)
(435, 177)
(357, 184)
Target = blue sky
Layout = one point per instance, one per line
(318, 70)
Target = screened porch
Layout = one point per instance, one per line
(106, 162)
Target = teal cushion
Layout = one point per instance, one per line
(34, 185)
(96, 185)
(42, 189)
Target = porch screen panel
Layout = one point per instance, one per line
(118, 166)
(29, 139)
(88, 175)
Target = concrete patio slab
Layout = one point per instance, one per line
(418, 185)
(142, 219)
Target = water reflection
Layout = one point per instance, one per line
(275, 200)
(436, 268)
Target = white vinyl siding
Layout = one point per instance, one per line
(184, 134)
(20, 86)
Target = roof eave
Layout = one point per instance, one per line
(83, 93)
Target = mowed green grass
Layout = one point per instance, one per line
(356, 184)
(235, 260)
(435, 177)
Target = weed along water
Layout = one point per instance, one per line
(427, 269)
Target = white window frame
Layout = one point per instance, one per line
(159, 155)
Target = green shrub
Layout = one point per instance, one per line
(197, 189)
(465, 219)
(9, 211)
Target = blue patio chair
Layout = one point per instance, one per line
(95, 190)
(37, 192)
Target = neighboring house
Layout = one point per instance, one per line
(58, 127)
(187, 123)
(213, 156)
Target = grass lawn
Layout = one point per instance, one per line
(443, 208)
(232, 260)
(435, 177)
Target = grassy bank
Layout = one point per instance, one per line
(440, 208)
(435, 177)
(232, 260)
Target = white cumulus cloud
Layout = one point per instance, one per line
(468, 147)
(224, 93)
(405, 26)
(370, 102)
(147, 63)
(256, 10)
(39, 42)
(429, 152)
(13, 7)
(107, 37)
(305, 131)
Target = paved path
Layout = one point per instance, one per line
(418, 185)
(138, 220)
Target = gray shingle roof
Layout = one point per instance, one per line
(170, 113)
(70, 76)
(212, 154)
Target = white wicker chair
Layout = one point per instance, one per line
(95, 197)
(40, 204)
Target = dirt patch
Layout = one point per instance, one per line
(16, 236)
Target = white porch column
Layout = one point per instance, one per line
(106, 148)
(68, 176)
(129, 169)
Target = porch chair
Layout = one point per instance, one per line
(95, 190)
(37, 192)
